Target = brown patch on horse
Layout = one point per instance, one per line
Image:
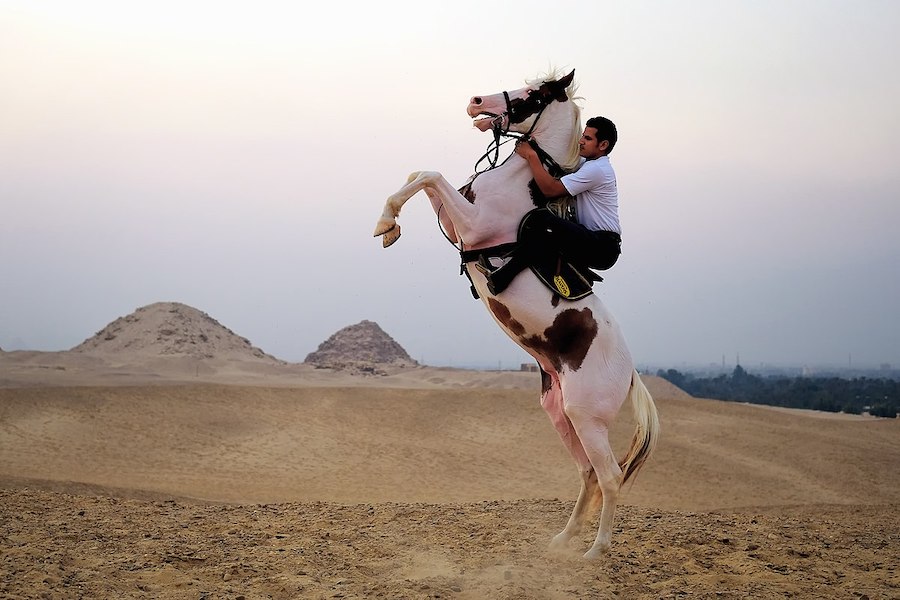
(538, 99)
(556, 90)
(503, 315)
(467, 193)
(567, 341)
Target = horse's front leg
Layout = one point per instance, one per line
(459, 210)
(437, 204)
(387, 224)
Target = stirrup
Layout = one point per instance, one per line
(484, 266)
(500, 277)
(488, 270)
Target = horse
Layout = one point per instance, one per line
(586, 369)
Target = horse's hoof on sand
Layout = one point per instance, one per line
(559, 540)
(596, 552)
(560, 543)
(391, 236)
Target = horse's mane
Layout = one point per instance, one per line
(571, 159)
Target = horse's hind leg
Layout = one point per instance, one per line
(588, 501)
(589, 496)
(593, 431)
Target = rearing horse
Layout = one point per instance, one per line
(586, 369)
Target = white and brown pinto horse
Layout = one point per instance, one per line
(586, 369)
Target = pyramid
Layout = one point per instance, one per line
(360, 347)
(171, 329)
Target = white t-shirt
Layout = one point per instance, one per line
(597, 198)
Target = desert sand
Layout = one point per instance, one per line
(184, 477)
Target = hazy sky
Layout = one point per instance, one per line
(235, 156)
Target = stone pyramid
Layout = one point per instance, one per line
(170, 329)
(361, 346)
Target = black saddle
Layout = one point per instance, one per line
(565, 279)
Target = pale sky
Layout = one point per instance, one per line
(234, 156)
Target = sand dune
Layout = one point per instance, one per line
(380, 444)
(284, 481)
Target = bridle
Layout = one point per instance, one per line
(517, 111)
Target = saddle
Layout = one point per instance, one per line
(565, 279)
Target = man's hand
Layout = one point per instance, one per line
(549, 186)
(524, 149)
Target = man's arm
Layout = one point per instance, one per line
(550, 186)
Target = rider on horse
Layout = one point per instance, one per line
(591, 237)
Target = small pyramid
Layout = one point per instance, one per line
(170, 329)
(363, 345)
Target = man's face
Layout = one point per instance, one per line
(589, 147)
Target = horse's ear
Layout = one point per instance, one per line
(562, 84)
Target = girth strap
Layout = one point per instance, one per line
(467, 256)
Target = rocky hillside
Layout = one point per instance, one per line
(360, 347)
(171, 329)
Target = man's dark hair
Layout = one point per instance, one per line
(606, 130)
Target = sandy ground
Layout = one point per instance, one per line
(223, 480)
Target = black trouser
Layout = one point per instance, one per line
(542, 232)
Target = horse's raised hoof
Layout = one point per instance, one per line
(384, 225)
(390, 236)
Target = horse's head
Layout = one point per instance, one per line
(518, 110)
(543, 110)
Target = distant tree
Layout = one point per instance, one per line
(881, 397)
(673, 376)
(885, 410)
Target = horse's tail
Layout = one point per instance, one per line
(646, 434)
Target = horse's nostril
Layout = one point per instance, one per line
(476, 100)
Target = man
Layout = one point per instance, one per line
(595, 239)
